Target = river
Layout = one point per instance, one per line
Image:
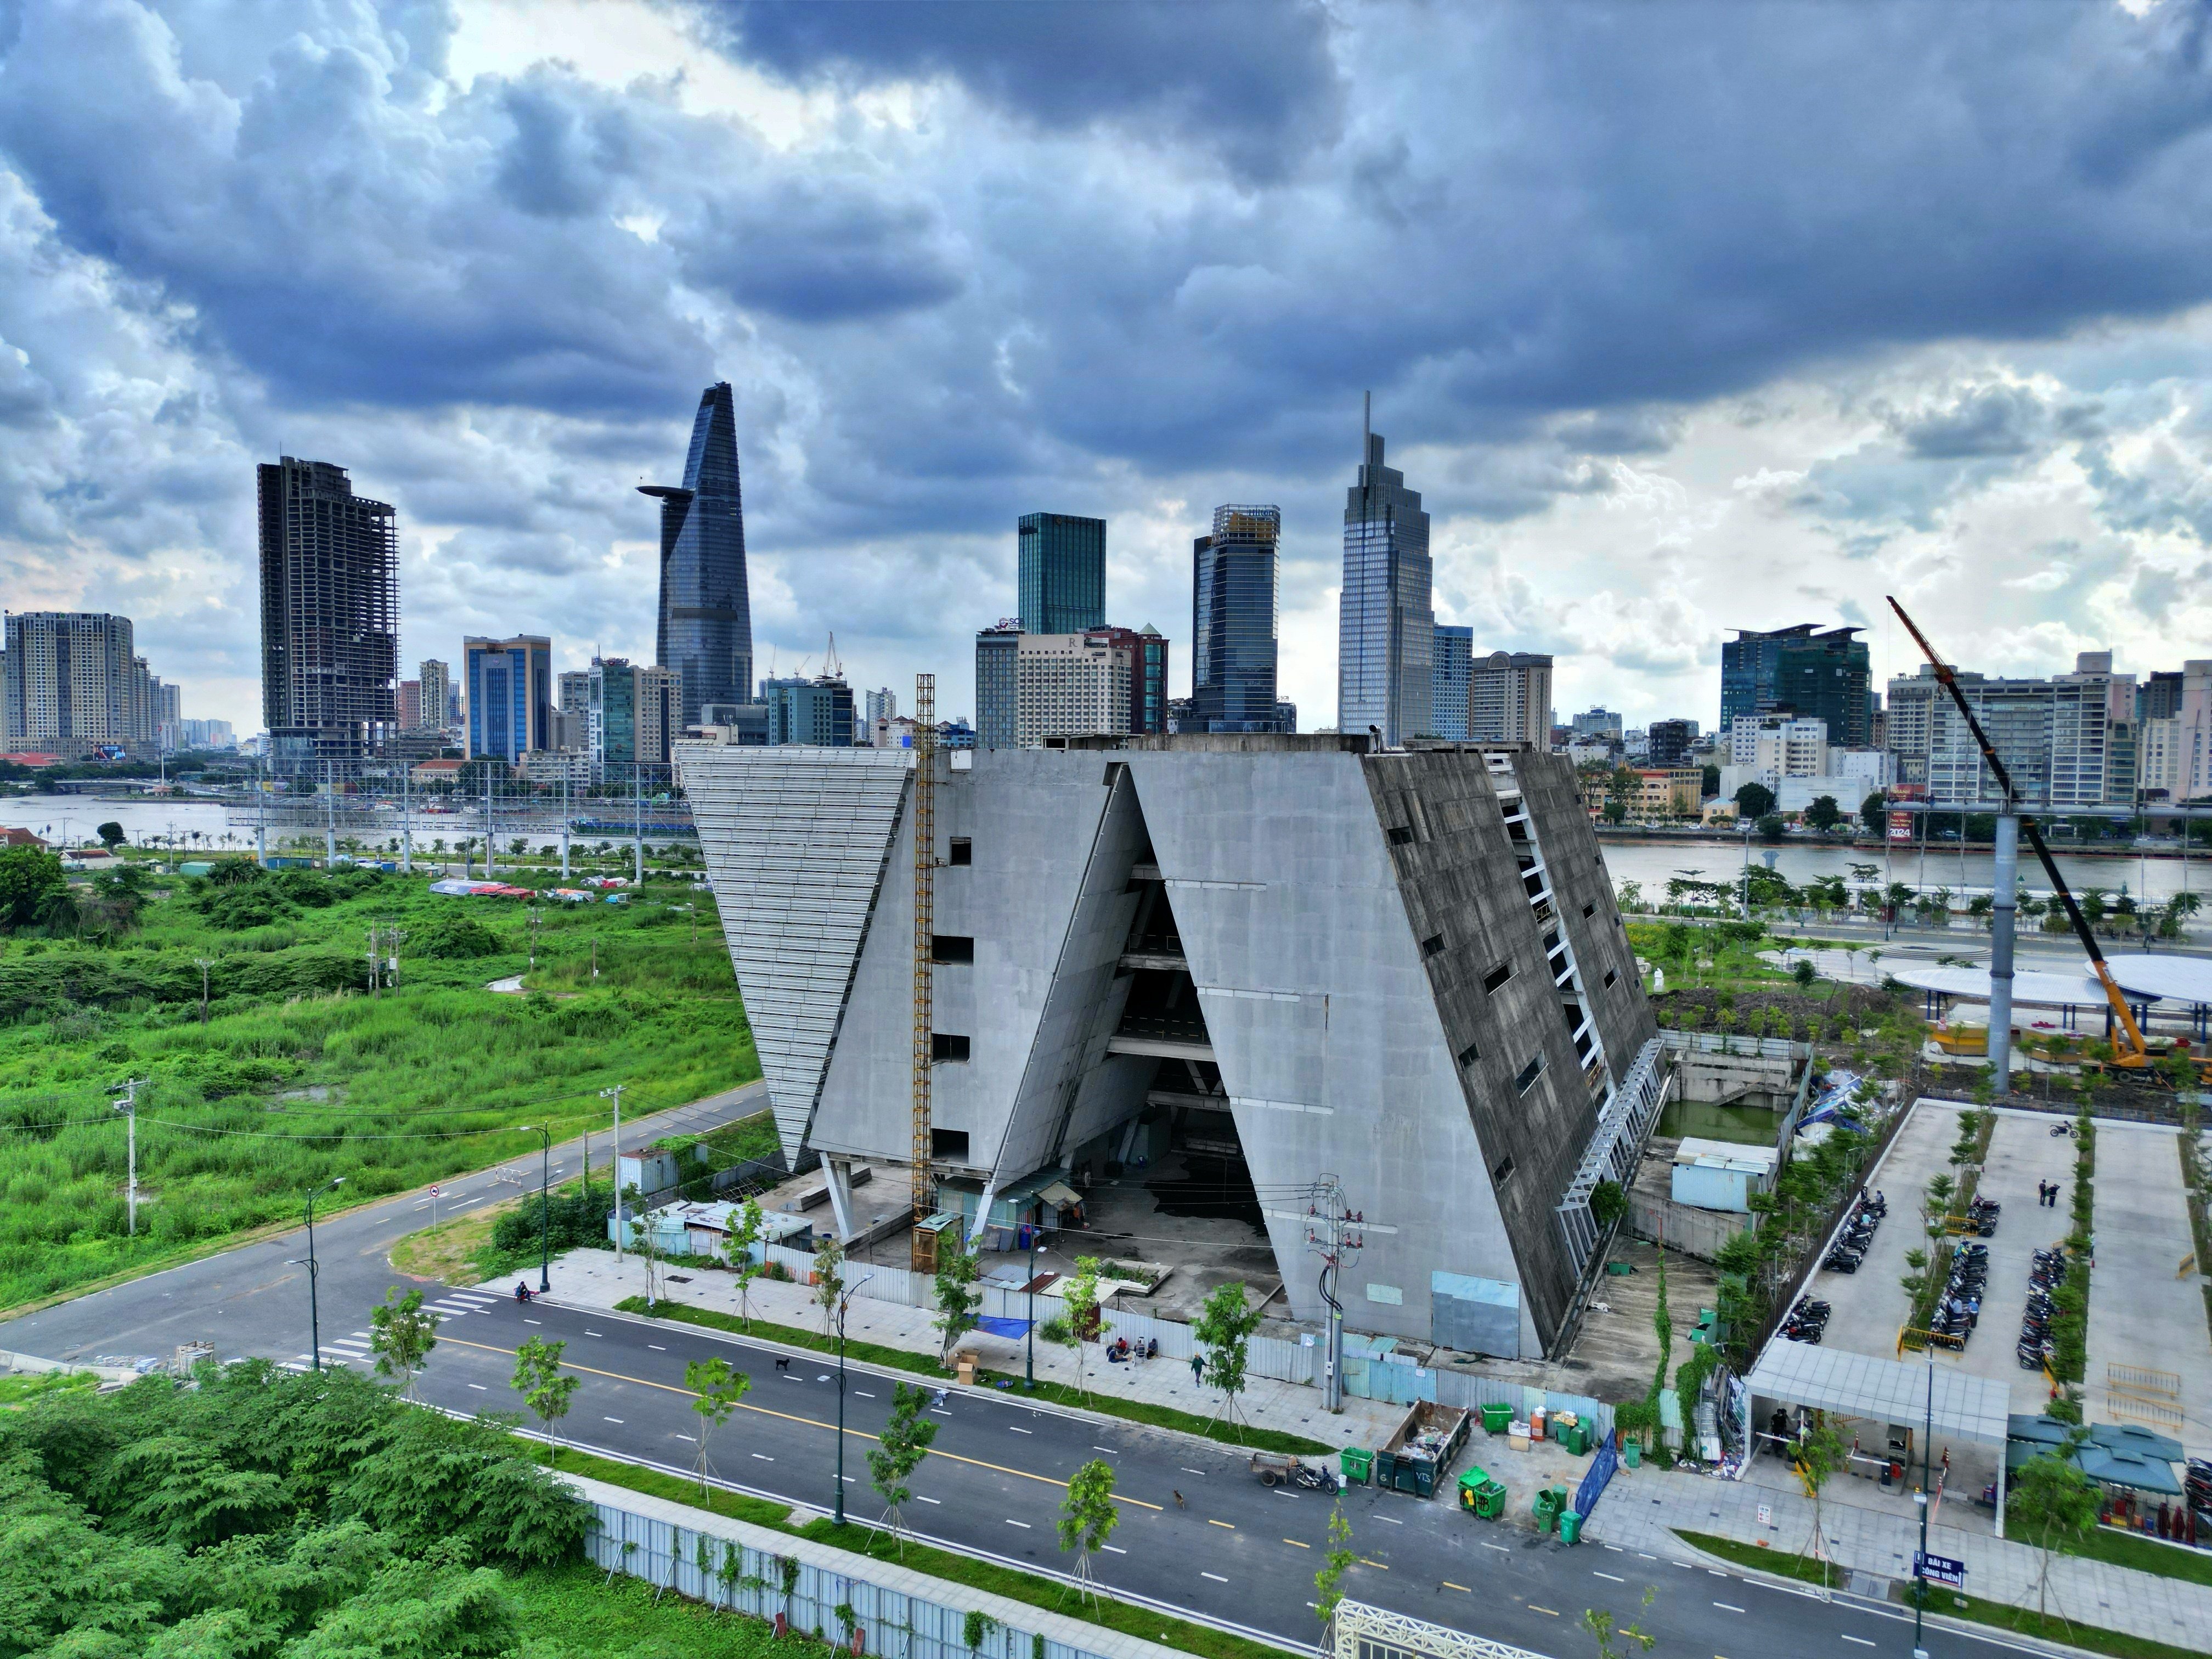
(220, 825)
(1651, 864)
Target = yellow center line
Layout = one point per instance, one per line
(1461, 1588)
(1220, 1523)
(1295, 1544)
(764, 1410)
(1364, 1562)
(1546, 1612)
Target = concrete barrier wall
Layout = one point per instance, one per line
(896, 1612)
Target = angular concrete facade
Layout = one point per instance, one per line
(1403, 971)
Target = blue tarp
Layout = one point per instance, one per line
(1594, 1483)
(1003, 1327)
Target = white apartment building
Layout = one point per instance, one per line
(2174, 753)
(1509, 697)
(1069, 685)
(69, 681)
(2055, 736)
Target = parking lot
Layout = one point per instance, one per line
(1870, 1304)
(2145, 1313)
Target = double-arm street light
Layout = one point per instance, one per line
(844, 1302)
(314, 1315)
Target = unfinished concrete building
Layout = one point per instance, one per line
(1403, 971)
(330, 616)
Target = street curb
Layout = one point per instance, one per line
(1000, 1396)
(1995, 1634)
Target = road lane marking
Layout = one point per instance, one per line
(1392, 1519)
(1024, 1525)
(1546, 1612)
(1616, 1577)
(1215, 1576)
(1861, 1640)
(1295, 1544)
(1500, 1548)
(1020, 1431)
(479, 1387)
(1108, 1450)
(1461, 1588)
(1220, 1523)
(1615, 1548)
(533, 1321)
(864, 1394)
(614, 1419)
(1727, 1607)
(588, 1331)
(930, 1500)
(1187, 1469)
(656, 1347)
(1116, 1548)
(940, 1411)
(764, 1457)
(787, 1416)
(1364, 1562)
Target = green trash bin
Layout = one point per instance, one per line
(1546, 1508)
(1357, 1463)
(1632, 1453)
(1570, 1527)
(1490, 1499)
(1497, 1419)
(1578, 1440)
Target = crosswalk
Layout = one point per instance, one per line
(355, 1349)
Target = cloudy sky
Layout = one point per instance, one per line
(1684, 317)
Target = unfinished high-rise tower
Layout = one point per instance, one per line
(330, 616)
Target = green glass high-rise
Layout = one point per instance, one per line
(1059, 572)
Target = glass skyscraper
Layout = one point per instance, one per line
(1234, 606)
(1453, 669)
(1819, 676)
(509, 687)
(1059, 572)
(706, 632)
(1384, 624)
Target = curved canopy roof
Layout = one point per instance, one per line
(2181, 979)
(2029, 989)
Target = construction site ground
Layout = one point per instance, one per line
(1617, 1353)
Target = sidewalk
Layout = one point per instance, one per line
(591, 1278)
(1644, 1507)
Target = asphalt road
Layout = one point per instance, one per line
(1199, 1533)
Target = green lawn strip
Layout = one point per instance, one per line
(1134, 1411)
(15, 1390)
(2118, 1549)
(2024, 1621)
(858, 1539)
(576, 1611)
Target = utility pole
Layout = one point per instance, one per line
(1920, 1500)
(490, 847)
(330, 818)
(614, 1162)
(374, 978)
(843, 1303)
(406, 817)
(261, 811)
(533, 939)
(129, 1107)
(637, 815)
(1332, 1234)
(564, 824)
(202, 962)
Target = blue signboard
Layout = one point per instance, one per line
(1941, 1568)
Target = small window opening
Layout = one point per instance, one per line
(963, 851)
(1494, 980)
(950, 1145)
(951, 947)
(1433, 945)
(1469, 1054)
(1401, 835)
(944, 1045)
(1529, 1073)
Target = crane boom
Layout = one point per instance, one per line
(2121, 1012)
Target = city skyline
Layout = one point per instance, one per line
(940, 301)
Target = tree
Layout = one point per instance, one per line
(1328, 1583)
(539, 1380)
(899, 1450)
(1824, 814)
(1818, 1453)
(1607, 1202)
(2056, 1504)
(1874, 812)
(1753, 801)
(1087, 1515)
(401, 1335)
(30, 879)
(958, 1300)
(110, 834)
(828, 1277)
(1804, 972)
(739, 1248)
(1223, 1331)
(1599, 1623)
(1709, 782)
(1772, 827)
(720, 1386)
(1081, 1296)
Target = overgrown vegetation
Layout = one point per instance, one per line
(2069, 1303)
(296, 1073)
(264, 1510)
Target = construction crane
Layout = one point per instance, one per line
(2137, 1055)
(924, 924)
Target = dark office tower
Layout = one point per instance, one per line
(1384, 674)
(1059, 572)
(1233, 608)
(706, 632)
(1817, 676)
(330, 616)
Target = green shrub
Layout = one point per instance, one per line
(453, 938)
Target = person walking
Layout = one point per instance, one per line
(1198, 1368)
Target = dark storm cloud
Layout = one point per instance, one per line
(1251, 81)
(819, 252)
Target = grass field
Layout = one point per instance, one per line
(299, 1077)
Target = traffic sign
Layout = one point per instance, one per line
(1941, 1568)
(433, 1189)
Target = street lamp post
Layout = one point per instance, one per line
(1029, 1367)
(614, 1164)
(1920, 1498)
(545, 1208)
(314, 1313)
(844, 1302)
